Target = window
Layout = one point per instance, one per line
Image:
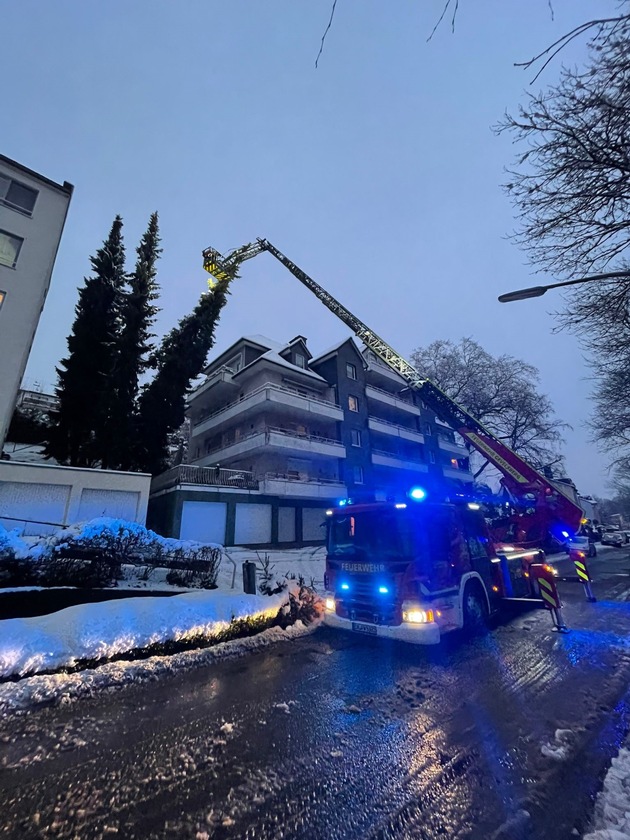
(454, 463)
(356, 437)
(431, 457)
(235, 363)
(357, 475)
(428, 429)
(9, 248)
(351, 371)
(17, 196)
(353, 403)
(300, 361)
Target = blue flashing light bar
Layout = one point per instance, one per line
(345, 586)
(383, 590)
(418, 493)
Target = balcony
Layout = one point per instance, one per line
(377, 368)
(375, 424)
(400, 462)
(289, 400)
(270, 439)
(450, 446)
(276, 484)
(220, 382)
(459, 474)
(392, 400)
(205, 476)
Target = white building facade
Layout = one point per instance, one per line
(33, 212)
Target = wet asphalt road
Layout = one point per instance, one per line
(337, 736)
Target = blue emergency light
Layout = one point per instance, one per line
(418, 493)
(383, 590)
(345, 586)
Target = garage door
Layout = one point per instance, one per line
(253, 524)
(203, 521)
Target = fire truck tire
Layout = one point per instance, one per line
(475, 609)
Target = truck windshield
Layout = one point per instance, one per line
(372, 533)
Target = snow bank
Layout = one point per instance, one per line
(18, 697)
(612, 809)
(12, 543)
(102, 630)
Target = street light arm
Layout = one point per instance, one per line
(539, 291)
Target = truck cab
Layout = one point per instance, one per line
(414, 571)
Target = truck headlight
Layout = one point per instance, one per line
(414, 613)
(330, 605)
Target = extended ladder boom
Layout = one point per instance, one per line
(518, 475)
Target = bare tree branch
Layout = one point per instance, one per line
(553, 49)
(321, 46)
(501, 392)
(441, 17)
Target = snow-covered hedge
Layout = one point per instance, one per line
(92, 553)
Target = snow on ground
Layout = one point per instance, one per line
(307, 563)
(16, 697)
(102, 630)
(612, 808)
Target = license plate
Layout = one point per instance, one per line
(369, 629)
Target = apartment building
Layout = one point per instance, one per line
(277, 434)
(33, 211)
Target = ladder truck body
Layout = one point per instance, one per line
(414, 569)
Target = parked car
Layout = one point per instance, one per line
(581, 543)
(615, 538)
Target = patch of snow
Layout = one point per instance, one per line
(53, 689)
(515, 828)
(283, 707)
(102, 630)
(8, 589)
(560, 747)
(612, 808)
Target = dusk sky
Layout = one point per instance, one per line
(378, 173)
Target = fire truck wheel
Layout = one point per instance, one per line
(475, 610)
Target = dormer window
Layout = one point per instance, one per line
(300, 361)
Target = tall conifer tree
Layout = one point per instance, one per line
(137, 316)
(180, 359)
(85, 375)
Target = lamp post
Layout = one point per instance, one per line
(538, 291)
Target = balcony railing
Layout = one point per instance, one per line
(401, 456)
(392, 395)
(275, 476)
(272, 430)
(268, 385)
(213, 476)
(396, 426)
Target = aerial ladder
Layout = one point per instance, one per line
(546, 508)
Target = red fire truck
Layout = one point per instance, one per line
(415, 569)
(419, 566)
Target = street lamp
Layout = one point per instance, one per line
(538, 291)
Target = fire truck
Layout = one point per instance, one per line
(420, 565)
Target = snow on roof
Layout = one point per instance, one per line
(332, 349)
(273, 356)
(269, 343)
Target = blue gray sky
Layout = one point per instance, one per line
(378, 173)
